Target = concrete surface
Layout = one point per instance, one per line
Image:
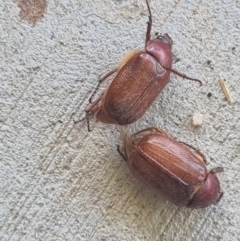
(59, 182)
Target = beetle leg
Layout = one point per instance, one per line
(148, 131)
(87, 119)
(137, 136)
(90, 108)
(149, 25)
(220, 196)
(184, 76)
(80, 120)
(124, 156)
(214, 171)
(89, 111)
(217, 170)
(196, 150)
(164, 133)
(100, 81)
(88, 123)
(151, 130)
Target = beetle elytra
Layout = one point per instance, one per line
(176, 169)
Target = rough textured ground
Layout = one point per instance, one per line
(59, 182)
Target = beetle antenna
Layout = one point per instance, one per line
(184, 76)
(149, 25)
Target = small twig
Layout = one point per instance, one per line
(225, 90)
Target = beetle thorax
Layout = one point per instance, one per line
(161, 49)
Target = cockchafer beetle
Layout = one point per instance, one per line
(175, 168)
(140, 77)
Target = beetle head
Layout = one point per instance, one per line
(166, 39)
(161, 49)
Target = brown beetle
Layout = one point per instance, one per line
(172, 167)
(140, 77)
